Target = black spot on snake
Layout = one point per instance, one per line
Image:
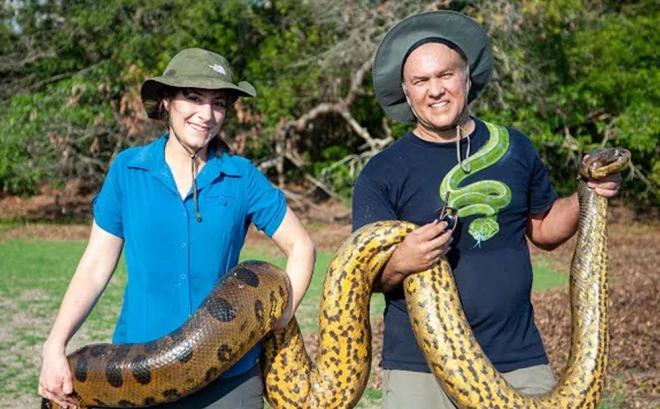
(80, 369)
(184, 352)
(113, 375)
(224, 352)
(149, 401)
(126, 404)
(140, 369)
(220, 309)
(247, 276)
(97, 350)
(211, 374)
(259, 310)
(122, 351)
(171, 393)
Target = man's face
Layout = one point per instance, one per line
(434, 78)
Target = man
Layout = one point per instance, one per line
(427, 69)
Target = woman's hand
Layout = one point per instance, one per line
(55, 381)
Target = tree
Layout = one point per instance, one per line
(573, 74)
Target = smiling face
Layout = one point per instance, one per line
(196, 115)
(435, 80)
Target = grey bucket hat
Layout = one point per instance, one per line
(447, 26)
(193, 68)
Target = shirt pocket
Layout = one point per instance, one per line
(222, 214)
(219, 202)
(218, 196)
(222, 198)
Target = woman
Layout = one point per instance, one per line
(180, 206)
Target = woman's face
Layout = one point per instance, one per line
(196, 115)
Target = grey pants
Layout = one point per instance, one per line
(420, 390)
(242, 391)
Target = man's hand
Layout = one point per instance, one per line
(608, 186)
(419, 251)
(422, 248)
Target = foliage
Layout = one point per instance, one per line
(572, 74)
(593, 84)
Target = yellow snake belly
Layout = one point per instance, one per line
(246, 303)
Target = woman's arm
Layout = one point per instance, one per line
(292, 238)
(92, 275)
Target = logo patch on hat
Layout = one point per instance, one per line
(218, 68)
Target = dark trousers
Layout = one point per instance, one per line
(241, 391)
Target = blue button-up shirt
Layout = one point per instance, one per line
(173, 261)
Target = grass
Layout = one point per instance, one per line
(35, 276)
(545, 277)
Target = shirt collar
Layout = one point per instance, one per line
(151, 157)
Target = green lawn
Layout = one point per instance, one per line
(36, 273)
(545, 277)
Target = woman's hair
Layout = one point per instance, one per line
(168, 93)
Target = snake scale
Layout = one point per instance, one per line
(251, 297)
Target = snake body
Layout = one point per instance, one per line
(484, 197)
(238, 312)
(242, 308)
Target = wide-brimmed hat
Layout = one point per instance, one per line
(193, 68)
(449, 27)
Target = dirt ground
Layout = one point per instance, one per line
(634, 266)
(634, 363)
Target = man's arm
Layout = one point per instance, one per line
(418, 251)
(550, 229)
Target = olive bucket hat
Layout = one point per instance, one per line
(193, 68)
(449, 27)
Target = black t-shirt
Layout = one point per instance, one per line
(493, 274)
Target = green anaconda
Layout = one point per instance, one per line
(246, 303)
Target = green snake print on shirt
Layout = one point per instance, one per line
(485, 197)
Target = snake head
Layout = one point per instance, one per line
(603, 162)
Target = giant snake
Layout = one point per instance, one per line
(250, 298)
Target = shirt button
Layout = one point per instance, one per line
(183, 245)
(183, 276)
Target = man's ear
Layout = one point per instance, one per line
(405, 92)
(468, 82)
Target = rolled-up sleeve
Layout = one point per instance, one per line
(107, 204)
(266, 203)
(542, 194)
(370, 202)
